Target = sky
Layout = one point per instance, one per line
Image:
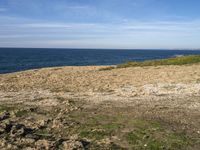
(132, 24)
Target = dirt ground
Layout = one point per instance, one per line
(86, 108)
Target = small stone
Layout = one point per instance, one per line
(85, 143)
(41, 123)
(57, 123)
(32, 136)
(2, 143)
(58, 142)
(12, 147)
(2, 128)
(33, 109)
(27, 141)
(19, 130)
(5, 127)
(29, 148)
(4, 116)
(73, 137)
(71, 145)
(9, 146)
(43, 144)
(146, 137)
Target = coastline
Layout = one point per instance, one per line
(168, 95)
(92, 78)
(17, 59)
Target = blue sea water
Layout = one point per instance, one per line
(18, 59)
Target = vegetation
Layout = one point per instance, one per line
(184, 60)
(21, 113)
(153, 135)
(6, 108)
(170, 61)
(43, 133)
(115, 129)
(136, 133)
(107, 68)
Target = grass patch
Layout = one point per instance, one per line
(96, 134)
(107, 68)
(6, 108)
(98, 128)
(191, 59)
(21, 113)
(184, 60)
(133, 133)
(43, 133)
(111, 126)
(156, 140)
(144, 124)
(151, 135)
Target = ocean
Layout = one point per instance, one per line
(19, 59)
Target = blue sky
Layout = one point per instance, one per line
(100, 23)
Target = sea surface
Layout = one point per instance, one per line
(19, 59)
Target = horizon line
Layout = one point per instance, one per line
(103, 48)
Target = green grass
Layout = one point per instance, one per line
(96, 135)
(156, 140)
(184, 60)
(138, 133)
(99, 127)
(107, 68)
(101, 131)
(142, 134)
(6, 108)
(170, 61)
(151, 135)
(21, 113)
(43, 133)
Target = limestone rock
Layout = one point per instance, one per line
(71, 145)
(19, 130)
(4, 116)
(43, 144)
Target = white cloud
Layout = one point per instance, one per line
(102, 29)
(164, 26)
(58, 25)
(123, 34)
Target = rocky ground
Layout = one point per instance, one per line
(87, 108)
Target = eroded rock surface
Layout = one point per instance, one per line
(84, 108)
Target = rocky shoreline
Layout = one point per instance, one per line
(87, 108)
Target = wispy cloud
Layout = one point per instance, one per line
(122, 28)
(128, 34)
(109, 27)
(163, 26)
(59, 25)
